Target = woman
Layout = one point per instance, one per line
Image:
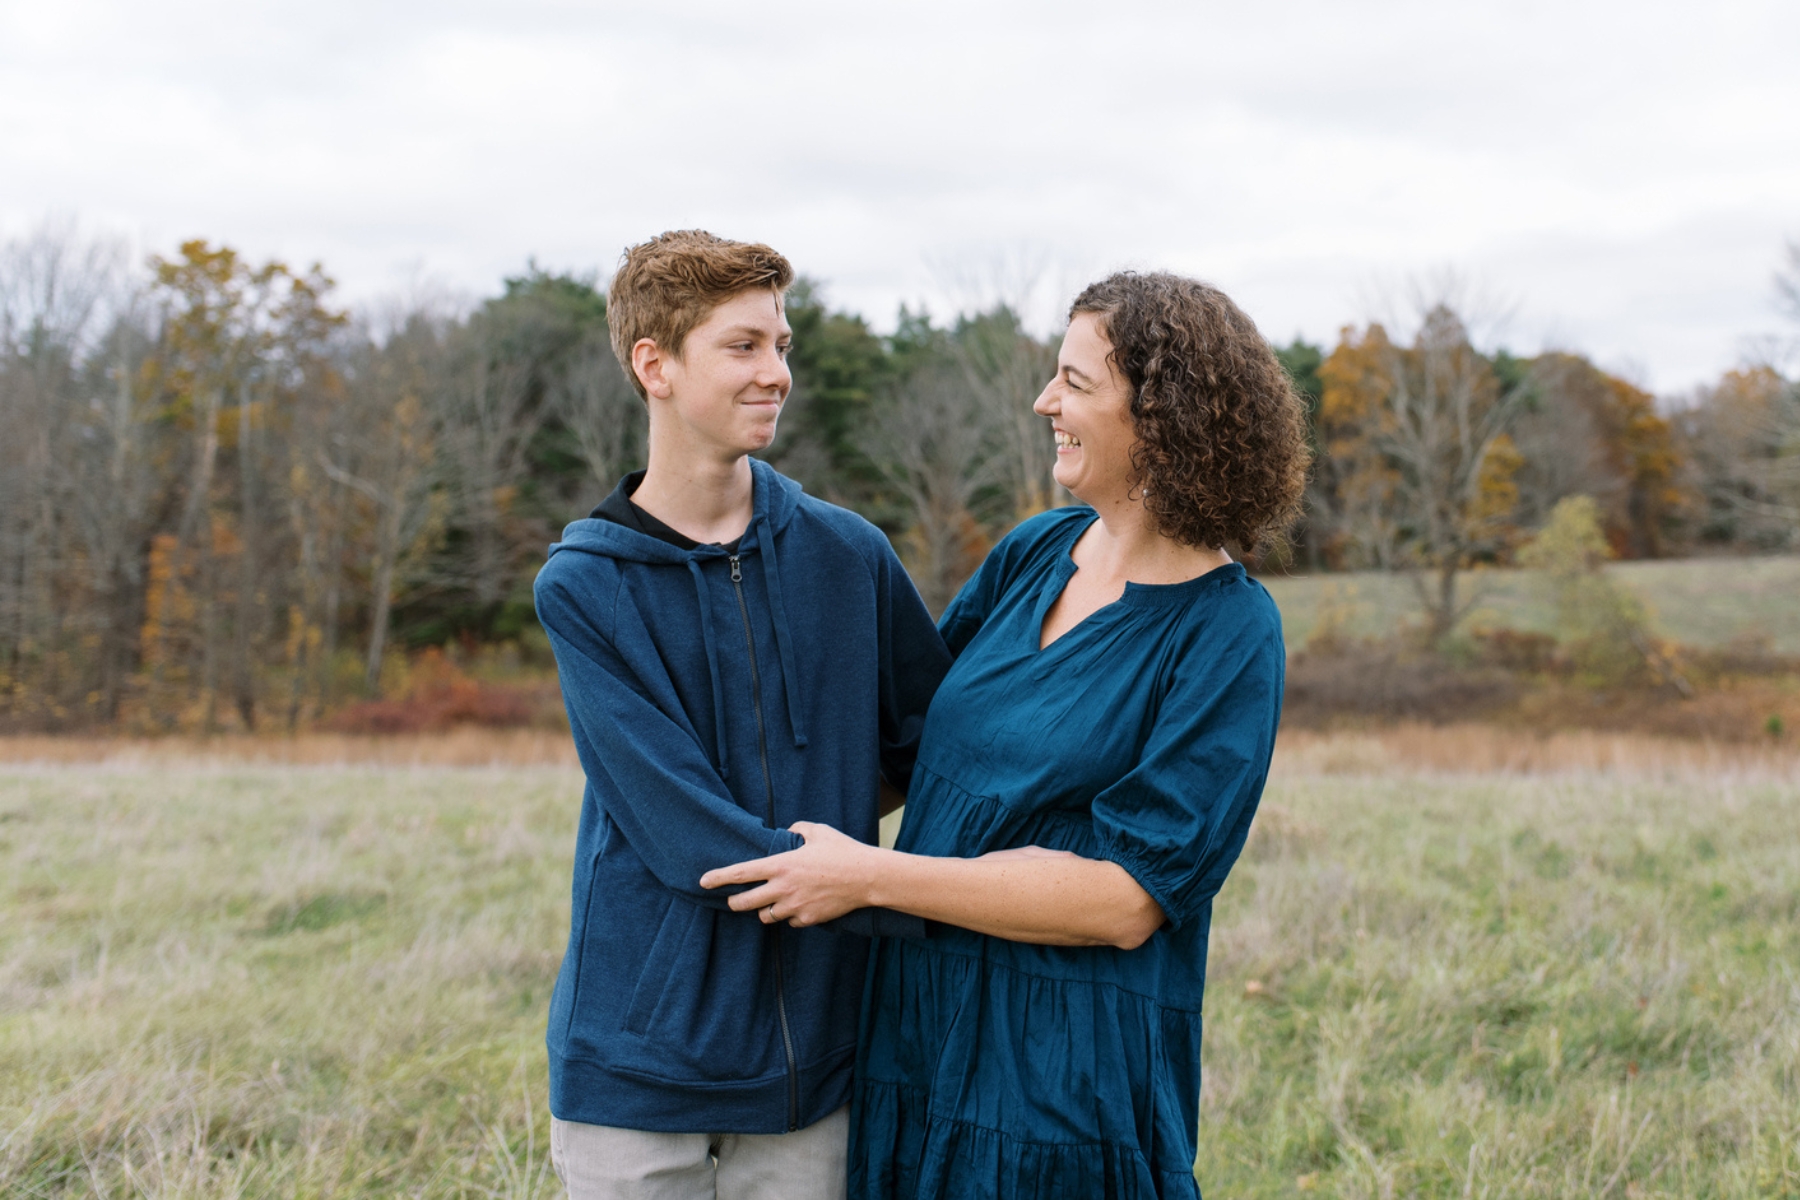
(1087, 776)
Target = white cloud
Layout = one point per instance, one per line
(1627, 171)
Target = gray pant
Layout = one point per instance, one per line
(598, 1162)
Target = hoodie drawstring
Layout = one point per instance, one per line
(784, 636)
(709, 643)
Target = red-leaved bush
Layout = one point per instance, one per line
(439, 695)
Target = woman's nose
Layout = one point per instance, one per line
(1045, 404)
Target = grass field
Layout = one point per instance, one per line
(1698, 602)
(1572, 970)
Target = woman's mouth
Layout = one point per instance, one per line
(1066, 440)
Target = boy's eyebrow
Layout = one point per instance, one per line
(738, 331)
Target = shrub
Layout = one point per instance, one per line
(1603, 628)
(437, 695)
(1513, 649)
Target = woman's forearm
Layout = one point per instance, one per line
(1054, 900)
(1024, 895)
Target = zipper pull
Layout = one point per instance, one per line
(737, 576)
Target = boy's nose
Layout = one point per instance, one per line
(775, 373)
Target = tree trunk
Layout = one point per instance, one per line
(1443, 609)
(120, 627)
(333, 602)
(47, 550)
(201, 508)
(243, 670)
(386, 553)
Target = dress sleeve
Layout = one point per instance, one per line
(966, 614)
(1177, 821)
(652, 778)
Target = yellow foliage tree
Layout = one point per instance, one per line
(1423, 467)
(236, 339)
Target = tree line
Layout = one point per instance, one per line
(226, 502)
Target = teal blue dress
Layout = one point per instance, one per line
(996, 1069)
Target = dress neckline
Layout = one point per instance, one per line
(1136, 595)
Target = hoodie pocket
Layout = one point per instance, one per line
(659, 965)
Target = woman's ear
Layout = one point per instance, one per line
(650, 365)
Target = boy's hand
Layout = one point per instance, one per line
(823, 879)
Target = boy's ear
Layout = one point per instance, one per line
(650, 364)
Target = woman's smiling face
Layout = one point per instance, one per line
(1089, 406)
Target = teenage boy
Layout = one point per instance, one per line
(735, 656)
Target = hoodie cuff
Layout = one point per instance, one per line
(781, 841)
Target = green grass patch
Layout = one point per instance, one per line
(294, 982)
(313, 913)
(1564, 985)
(1703, 602)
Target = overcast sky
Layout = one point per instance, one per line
(1621, 178)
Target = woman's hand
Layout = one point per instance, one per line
(823, 879)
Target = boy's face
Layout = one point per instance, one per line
(732, 378)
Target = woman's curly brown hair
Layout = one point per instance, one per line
(1221, 455)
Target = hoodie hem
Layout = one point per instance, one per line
(591, 1094)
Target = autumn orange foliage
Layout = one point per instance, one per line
(439, 695)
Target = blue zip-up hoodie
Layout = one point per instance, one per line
(715, 699)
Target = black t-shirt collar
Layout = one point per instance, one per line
(620, 510)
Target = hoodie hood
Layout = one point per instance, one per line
(774, 500)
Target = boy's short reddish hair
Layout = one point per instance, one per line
(666, 286)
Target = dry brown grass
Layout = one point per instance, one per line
(1468, 748)
(1734, 694)
(1489, 749)
(1737, 709)
(469, 746)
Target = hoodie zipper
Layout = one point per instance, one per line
(762, 746)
